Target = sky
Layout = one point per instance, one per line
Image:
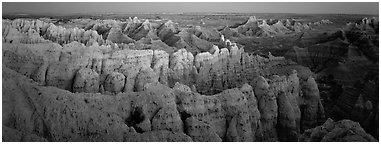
(184, 7)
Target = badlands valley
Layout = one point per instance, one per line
(190, 77)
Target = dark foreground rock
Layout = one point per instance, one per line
(340, 131)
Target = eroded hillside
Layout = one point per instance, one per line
(142, 80)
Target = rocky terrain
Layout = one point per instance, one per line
(146, 80)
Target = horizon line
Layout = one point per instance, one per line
(209, 13)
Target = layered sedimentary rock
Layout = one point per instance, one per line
(210, 73)
(191, 42)
(166, 30)
(206, 34)
(156, 108)
(267, 27)
(232, 107)
(32, 31)
(351, 66)
(319, 56)
(58, 115)
(116, 36)
(197, 93)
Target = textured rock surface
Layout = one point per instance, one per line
(178, 67)
(116, 36)
(207, 109)
(231, 107)
(86, 80)
(239, 129)
(145, 76)
(167, 118)
(286, 91)
(311, 107)
(340, 131)
(114, 82)
(268, 108)
(254, 114)
(145, 80)
(58, 115)
(12, 135)
(267, 27)
(200, 131)
(158, 136)
(235, 104)
(22, 59)
(181, 65)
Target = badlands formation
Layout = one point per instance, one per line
(137, 80)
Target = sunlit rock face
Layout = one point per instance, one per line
(142, 80)
(244, 114)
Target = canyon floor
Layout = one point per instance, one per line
(198, 77)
